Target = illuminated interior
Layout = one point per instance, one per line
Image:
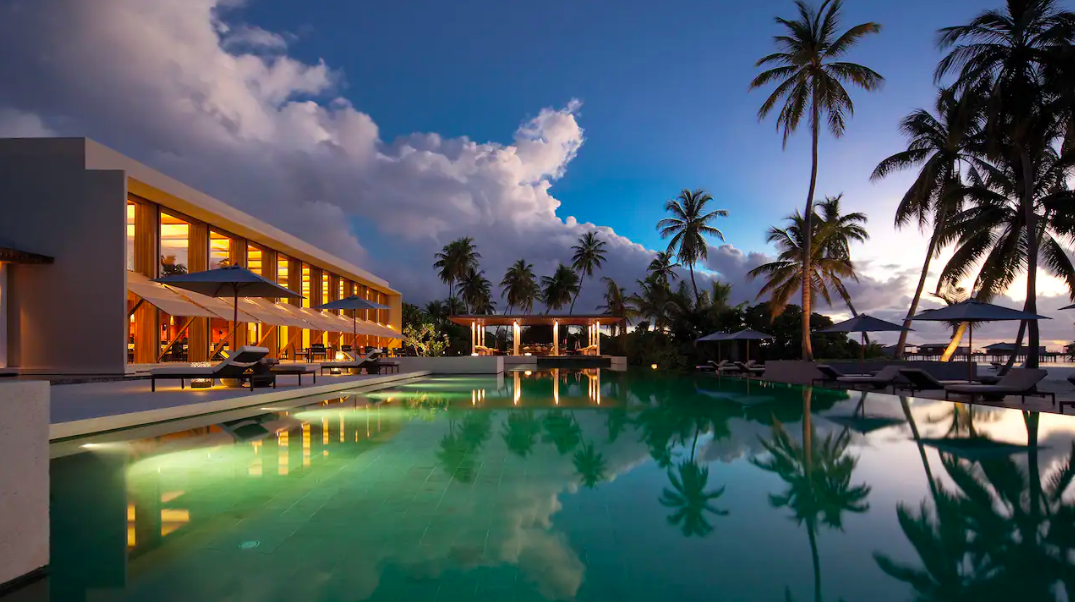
(254, 259)
(130, 236)
(219, 250)
(174, 245)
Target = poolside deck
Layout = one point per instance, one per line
(78, 409)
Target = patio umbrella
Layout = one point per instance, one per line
(972, 311)
(747, 335)
(716, 337)
(355, 303)
(229, 281)
(864, 323)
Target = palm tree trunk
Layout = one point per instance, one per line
(957, 337)
(808, 223)
(693, 283)
(1031, 218)
(917, 293)
(571, 309)
(811, 528)
(1018, 345)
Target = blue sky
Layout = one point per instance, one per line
(663, 86)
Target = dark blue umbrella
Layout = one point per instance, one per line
(864, 323)
(229, 281)
(354, 302)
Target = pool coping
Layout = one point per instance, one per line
(112, 422)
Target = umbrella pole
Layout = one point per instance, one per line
(354, 333)
(970, 350)
(862, 354)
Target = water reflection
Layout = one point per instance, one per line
(578, 486)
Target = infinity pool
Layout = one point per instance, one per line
(579, 485)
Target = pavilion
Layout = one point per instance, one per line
(592, 322)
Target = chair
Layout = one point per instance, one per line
(886, 377)
(351, 364)
(1019, 381)
(236, 366)
(750, 369)
(829, 374)
(317, 349)
(920, 380)
(294, 369)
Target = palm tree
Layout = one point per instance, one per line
(651, 301)
(558, 290)
(829, 265)
(520, 287)
(615, 301)
(454, 260)
(940, 145)
(520, 432)
(1017, 59)
(810, 77)
(663, 267)
(589, 255)
(688, 227)
(818, 475)
(476, 291)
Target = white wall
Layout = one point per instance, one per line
(467, 364)
(24, 478)
(70, 316)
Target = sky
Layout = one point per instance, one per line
(381, 131)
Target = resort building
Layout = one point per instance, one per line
(83, 232)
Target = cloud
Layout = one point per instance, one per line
(222, 106)
(19, 124)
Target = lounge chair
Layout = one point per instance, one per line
(1019, 381)
(830, 374)
(750, 369)
(920, 380)
(237, 366)
(711, 366)
(295, 369)
(887, 377)
(350, 364)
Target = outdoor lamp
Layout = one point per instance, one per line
(653, 366)
(201, 383)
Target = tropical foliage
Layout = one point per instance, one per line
(810, 73)
(687, 228)
(589, 255)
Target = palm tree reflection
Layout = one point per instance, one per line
(520, 432)
(460, 446)
(818, 475)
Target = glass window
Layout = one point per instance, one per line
(254, 259)
(174, 243)
(326, 285)
(281, 269)
(219, 250)
(306, 286)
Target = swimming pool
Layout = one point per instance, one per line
(584, 485)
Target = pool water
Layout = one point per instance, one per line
(583, 485)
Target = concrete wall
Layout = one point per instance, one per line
(24, 478)
(69, 316)
(803, 373)
(486, 364)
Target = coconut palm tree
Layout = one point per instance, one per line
(828, 266)
(810, 75)
(589, 255)
(615, 301)
(818, 475)
(519, 287)
(651, 301)
(476, 291)
(454, 260)
(558, 290)
(939, 143)
(520, 432)
(663, 267)
(1017, 59)
(688, 227)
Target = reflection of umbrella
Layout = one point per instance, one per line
(229, 281)
(1068, 307)
(864, 323)
(746, 334)
(355, 303)
(971, 311)
(977, 448)
(859, 422)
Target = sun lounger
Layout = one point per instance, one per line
(750, 369)
(920, 380)
(714, 366)
(236, 366)
(887, 377)
(350, 364)
(830, 374)
(295, 369)
(1019, 381)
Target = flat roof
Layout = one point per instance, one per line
(9, 255)
(536, 319)
(153, 185)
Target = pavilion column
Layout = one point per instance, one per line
(597, 337)
(555, 337)
(268, 271)
(198, 261)
(472, 334)
(146, 262)
(515, 338)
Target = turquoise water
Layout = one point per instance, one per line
(574, 486)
